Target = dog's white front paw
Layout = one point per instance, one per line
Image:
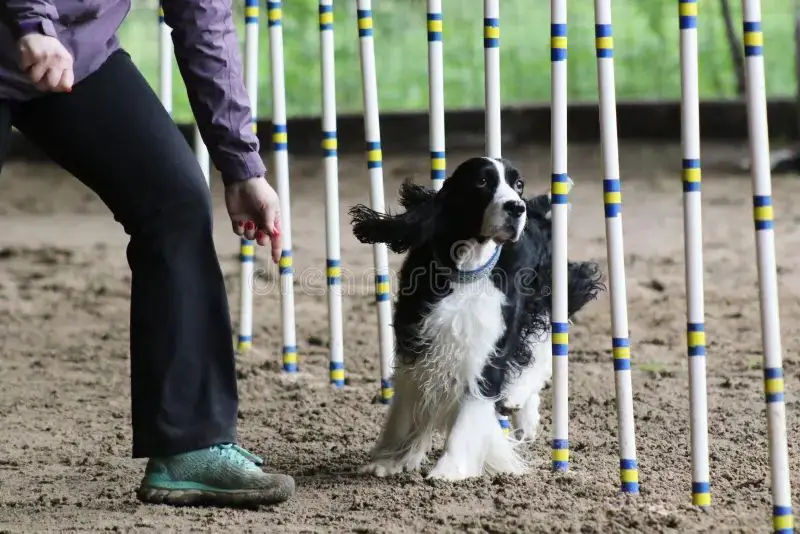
(413, 463)
(381, 468)
(387, 467)
(526, 420)
(448, 468)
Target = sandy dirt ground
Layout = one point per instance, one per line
(64, 394)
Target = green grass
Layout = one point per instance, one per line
(645, 38)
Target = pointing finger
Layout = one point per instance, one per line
(276, 226)
(276, 241)
(276, 249)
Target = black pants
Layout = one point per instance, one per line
(114, 135)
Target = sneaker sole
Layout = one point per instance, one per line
(218, 498)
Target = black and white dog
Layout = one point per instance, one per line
(472, 319)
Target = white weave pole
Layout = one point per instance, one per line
(201, 151)
(247, 247)
(164, 61)
(281, 154)
(559, 199)
(436, 94)
(693, 251)
(383, 293)
(493, 130)
(491, 55)
(332, 233)
(767, 270)
(612, 197)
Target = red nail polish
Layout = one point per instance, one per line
(241, 224)
(250, 225)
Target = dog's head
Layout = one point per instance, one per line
(481, 200)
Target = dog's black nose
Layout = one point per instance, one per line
(515, 208)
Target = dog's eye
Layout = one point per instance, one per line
(519, 185)
(482, 181)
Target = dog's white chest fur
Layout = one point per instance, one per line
(461, 329)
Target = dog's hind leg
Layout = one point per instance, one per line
(407, 433)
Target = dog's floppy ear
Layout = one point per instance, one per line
(402, 231)
(413, 195)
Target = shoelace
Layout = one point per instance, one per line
(237, 454)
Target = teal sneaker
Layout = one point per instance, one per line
(221, 475)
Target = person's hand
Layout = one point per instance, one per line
(254, 209)
(47, 62)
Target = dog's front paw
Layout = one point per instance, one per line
(449, 469)
(526, 420)
(387, 467)
(382, 468)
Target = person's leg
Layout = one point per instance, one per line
(114, 135)
(5, 131)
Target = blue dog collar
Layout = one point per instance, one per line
(465, 277)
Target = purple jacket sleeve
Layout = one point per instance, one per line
(30, 16)
(208, 56)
